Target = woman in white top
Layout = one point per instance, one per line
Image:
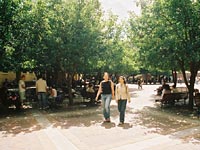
(122, 96)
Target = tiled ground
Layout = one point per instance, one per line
(147, 127)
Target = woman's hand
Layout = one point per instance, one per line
(96, 98)
(113, 96)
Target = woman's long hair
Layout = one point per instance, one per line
(123, 79)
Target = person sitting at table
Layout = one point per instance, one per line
(52, 96)
(165, 88)
(91, 92)
(90, 88)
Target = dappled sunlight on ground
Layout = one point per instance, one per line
(195, 138)
(84, 126)
(18, 124)
(162, 123)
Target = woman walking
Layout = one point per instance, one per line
(122, 96)
(106, 89)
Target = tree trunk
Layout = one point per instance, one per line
(70, 77)
(191, 98)
(194, 67)
(184, 77)
(174, 76)
(18, 75)
(193, 71)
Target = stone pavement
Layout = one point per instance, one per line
(147, 127)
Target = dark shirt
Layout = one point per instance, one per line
(106, 87)
(166, 87)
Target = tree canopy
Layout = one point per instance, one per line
(74, 36)
(167, 36)
(70, 36)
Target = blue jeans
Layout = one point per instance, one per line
(106, 99)
(122, 109)
(42, 97)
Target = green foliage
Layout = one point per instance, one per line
(168, 37)
(76, 32)
(117, 55)
(68, 36)
(8, 9)
(167, 33)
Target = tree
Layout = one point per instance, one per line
(25, 30)
(62, 37)
(171, 37)
(76, 34)
(117, 56)
(8, 9)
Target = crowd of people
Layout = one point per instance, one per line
(106, 90)
(45, 95)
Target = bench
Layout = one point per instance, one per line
(197, 103)
(180, 90)
(172, 98)
(175, 95)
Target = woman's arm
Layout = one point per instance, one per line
(128, 94)
(99, 91)
(116, 93)
(112, 88)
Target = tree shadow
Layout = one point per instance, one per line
(18, 123)
(81, 118)
(64, 118)
(14, 122)
(92, 116)
(162, 121)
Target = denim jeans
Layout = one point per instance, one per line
(122, 109)
(106, 99)
(42, 97)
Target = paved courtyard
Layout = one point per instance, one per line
(147, 127)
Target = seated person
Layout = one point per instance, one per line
(52, 97)
(90, 88)
(91, 92)
(165, 88)
(52, 94)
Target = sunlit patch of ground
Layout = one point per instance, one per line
(195, 139)
(76, 118)
(143, 119)
(18, 124)
(162, 122)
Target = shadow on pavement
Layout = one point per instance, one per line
(25, 121)
(133, 92)
(126, 126)
(108, 125)
(162, 121)
(18, 123)
(86, 117)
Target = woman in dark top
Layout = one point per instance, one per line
(106, 89)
